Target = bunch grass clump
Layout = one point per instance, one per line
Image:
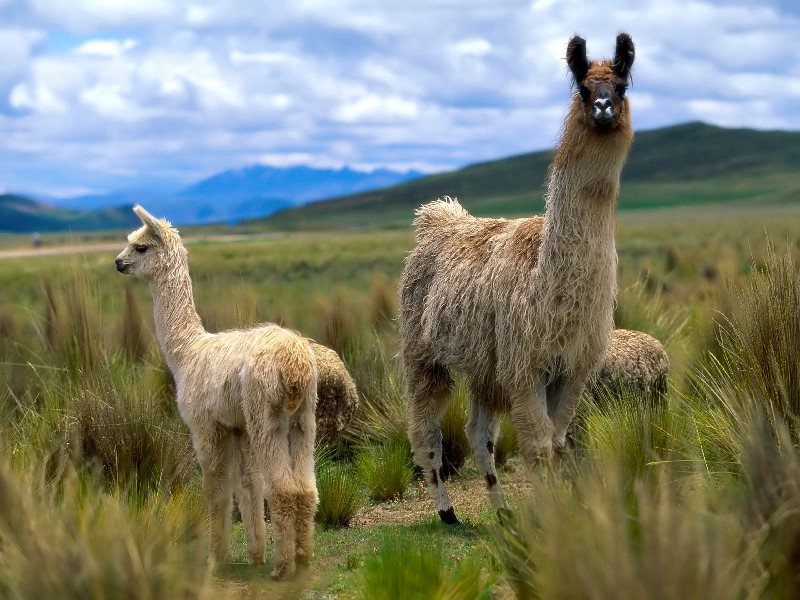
(73, 540)
(402, 570)
(341, 494)
(386, 469)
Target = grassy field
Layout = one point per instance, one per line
(695, 497)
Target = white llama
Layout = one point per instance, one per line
(522, 307)
(243, 393)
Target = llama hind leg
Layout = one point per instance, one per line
(269, 439)
(214, 449)
(563, 397)
(428, 396)
(534, 426)
(482, 431)
(301, 449)
(251, 502)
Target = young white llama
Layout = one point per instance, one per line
(522, 307)
(243, 393)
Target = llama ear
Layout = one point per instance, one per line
(576, 58)
(624, 55)
(154, 224)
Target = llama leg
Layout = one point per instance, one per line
(214, 451)
(563, 397)
(428, 396)
(251, 502)
(533, 425)
(482, 432)
(269, 440)
(301, 449)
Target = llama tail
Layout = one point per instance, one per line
(437, 213)
(298, 369)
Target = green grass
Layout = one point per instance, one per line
(697, 497)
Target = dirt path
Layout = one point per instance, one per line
(90, 248)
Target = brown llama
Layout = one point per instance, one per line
(248, 397)
(523, 307)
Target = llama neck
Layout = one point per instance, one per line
(582, 191)
(176, 319)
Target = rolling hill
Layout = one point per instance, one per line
(684, 165)
(23, 215)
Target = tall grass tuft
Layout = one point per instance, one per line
(760, 341)
(455, 444)
(591, 539)
(336, 326)
(771, 506)
(404, 570)
(111, 428)
(382, 306)
(386, 469)
(340, 493)
(51, 331)
(506, 445)
(133, 332)
(76, 542)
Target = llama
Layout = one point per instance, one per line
(337, 398)
(248, 394)
(634, 363)
(523, 307)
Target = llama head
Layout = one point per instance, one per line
(153, 251)
(602, 84)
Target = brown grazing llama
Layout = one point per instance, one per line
(248, 397)
(522, 307)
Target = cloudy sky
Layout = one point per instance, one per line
(97, 95)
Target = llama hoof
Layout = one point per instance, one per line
(448, 517)
(255, 558)
(283, 571)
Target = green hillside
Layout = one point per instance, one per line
(684, 165)
(22, 215)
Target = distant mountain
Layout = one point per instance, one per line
(683, 165)
(247, 193)
(19, 214)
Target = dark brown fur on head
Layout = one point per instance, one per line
(602, 84)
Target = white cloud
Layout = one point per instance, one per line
(105, 48)
(179, 89)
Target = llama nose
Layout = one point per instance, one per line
(120, 265)
(602, 110)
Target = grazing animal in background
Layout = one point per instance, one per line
(634, 363)
(337, 397)
(247, 393)
(523, 307)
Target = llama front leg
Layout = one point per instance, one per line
(563, 397)
(533, 425)
(482, 433)
(251, 502)
(215, 453)
(427, 402)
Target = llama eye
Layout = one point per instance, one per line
(621, 89)
(585, 93)
(140, 248)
